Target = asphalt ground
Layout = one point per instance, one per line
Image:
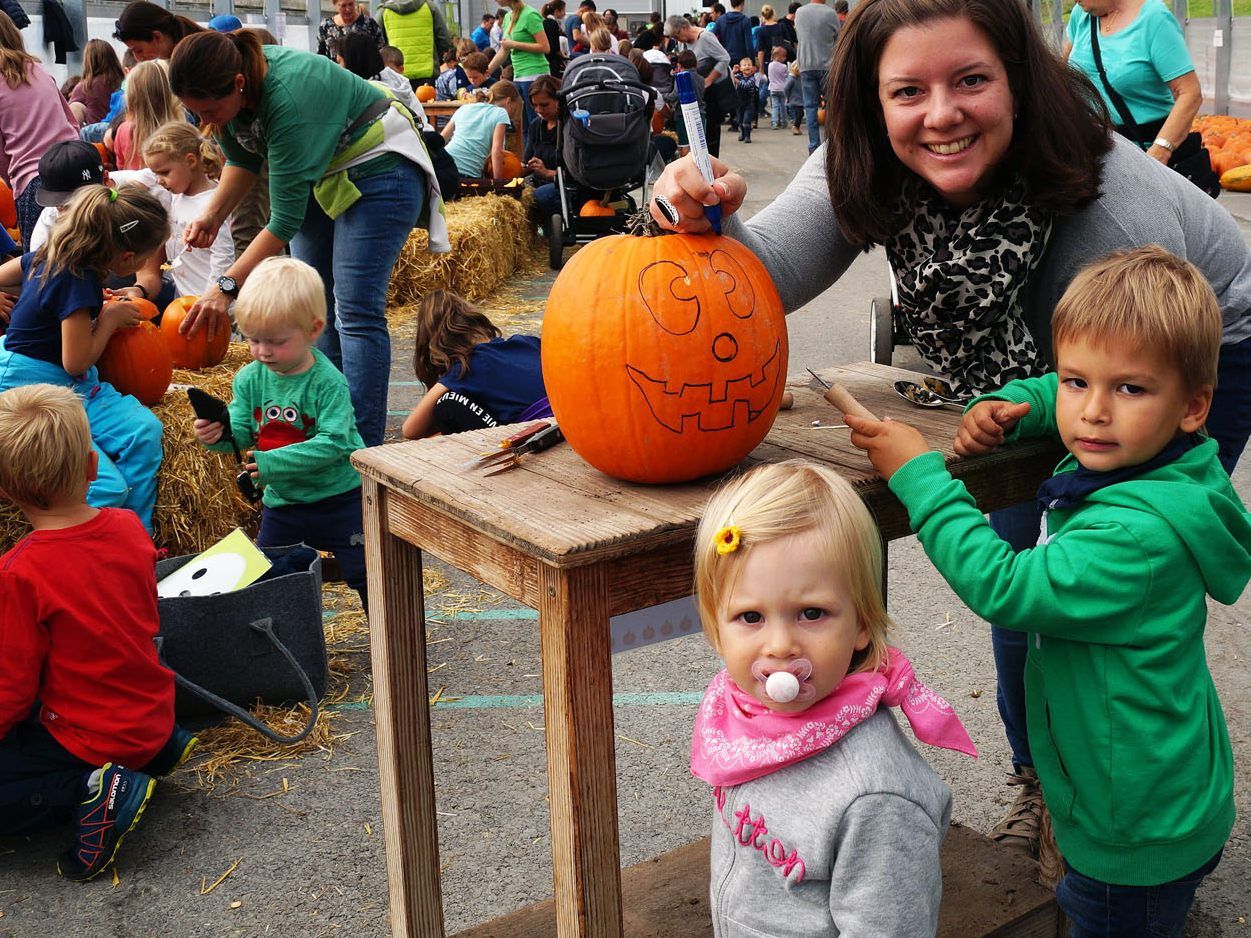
(300, 835)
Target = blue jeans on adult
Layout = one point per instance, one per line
(1229, 421)
(813, 83)
(528, 114)
(1105, 910)
(354, 254)
(1019, 525)
(547, 201)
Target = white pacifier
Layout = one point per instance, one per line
(787, 685)
(782, 686)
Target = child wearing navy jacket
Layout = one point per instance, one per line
(86, 708)
(474, 377)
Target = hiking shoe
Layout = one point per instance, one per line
(104, 819)
(173, 754)
(1019, 829)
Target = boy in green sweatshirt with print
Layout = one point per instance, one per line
(293, 407)
(1142, 524)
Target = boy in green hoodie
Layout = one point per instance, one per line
(1142, 524)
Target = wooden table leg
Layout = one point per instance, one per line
(397, 628)
(581, 760)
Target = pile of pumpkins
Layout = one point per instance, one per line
(1228, 140)
(140, 360)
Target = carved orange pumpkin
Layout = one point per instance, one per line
(425, 93)
(197, 351)
(136, 361)
(512, 166)
(594, 208)
(664, 357)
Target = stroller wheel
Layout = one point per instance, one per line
(556, 241)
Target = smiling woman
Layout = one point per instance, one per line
(988, 171)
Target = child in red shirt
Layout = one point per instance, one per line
(82, 694)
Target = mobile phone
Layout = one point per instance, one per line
(208, 407)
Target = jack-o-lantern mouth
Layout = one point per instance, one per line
(733, 403)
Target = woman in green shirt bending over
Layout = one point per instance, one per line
(526, 42)
(349, 177)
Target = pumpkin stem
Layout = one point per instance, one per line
(642, 225)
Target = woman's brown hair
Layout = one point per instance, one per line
(448, 328)
(205, 66)
(1060, 132)
(101, 66)
(15, 61)
(141, 19)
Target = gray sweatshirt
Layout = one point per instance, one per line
(844, 844)
(816, 28)
(1142, 202)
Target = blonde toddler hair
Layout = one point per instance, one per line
(785, 499)
(1149, 299)
(46, 442)
(281, 292)
(178, 138)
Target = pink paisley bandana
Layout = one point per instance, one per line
(737, 738)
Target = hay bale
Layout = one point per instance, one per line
(491, 236)
(197, 503)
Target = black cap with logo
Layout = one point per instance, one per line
(65, 167)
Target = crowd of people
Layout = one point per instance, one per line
(1048, 262)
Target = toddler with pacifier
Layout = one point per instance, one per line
(826, 819)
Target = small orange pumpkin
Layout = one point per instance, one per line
(8, 208)
(425, 93)
(136, 361)
(197, 351)
(594, 208)
(512, 166)
(146, 308)
(673, 365)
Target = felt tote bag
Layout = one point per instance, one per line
(264, 642)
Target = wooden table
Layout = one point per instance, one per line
(436, 109)
(580, 547)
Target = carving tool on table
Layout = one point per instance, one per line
(506, 445)
(511, 458)
(840, 397)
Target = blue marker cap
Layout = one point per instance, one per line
(685, 84)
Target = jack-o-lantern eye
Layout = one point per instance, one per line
(739, 295)
(667, 277)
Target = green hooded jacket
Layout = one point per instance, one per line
(1125, 727)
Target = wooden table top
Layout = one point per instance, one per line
(557, 508)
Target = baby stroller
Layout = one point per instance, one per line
(602, 138)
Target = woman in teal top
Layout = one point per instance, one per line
(1145, 57)
(525, 41)
(349, 177)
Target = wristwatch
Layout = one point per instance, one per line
(230, 288)
(1161, 142)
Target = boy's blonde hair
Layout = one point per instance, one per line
(782, 500)
(281, 292)
(178, 138)
(46, 442)
(1146, 299)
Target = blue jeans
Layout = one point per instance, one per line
(1104, 910)
(1229, 421)
(547, 202)
(813, 83)
(125, 435)
(1019, 525)
(28, 210)
(354, 254)
(777, 107)
(528, 114)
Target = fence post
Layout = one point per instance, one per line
(1223, 40)
(313, 8)
(223, 7)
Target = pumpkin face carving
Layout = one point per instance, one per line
(664, 357)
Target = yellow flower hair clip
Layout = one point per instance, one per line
(727, 539)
